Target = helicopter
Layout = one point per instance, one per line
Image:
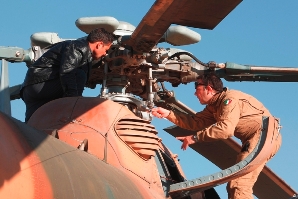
(241, 83)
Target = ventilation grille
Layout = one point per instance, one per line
(140, 135)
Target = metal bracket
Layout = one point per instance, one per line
(84, 145)
(5, 106)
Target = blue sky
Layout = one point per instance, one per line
(257, 32)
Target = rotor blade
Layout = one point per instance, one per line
(237, 72)
(201, 14)
(163, 13)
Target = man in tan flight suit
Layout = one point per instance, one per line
(227, 113)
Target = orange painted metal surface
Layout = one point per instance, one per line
(41, 166)
(71, 173)
(21, 174)
(97, 119)
(113, 134)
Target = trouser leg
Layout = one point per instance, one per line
(39, 94)
(242, 187)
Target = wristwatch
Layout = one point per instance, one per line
(195, 138)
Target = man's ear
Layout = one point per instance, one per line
(209, 89)
(100, 43)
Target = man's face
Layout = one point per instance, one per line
(100, 50)
(202, 92)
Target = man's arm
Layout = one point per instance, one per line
(195, 122)
(224, 128)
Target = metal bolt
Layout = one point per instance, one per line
(175, 156)
(18, 53)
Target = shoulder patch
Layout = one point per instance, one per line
(227, 101)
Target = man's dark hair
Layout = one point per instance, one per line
(100, 34)
(212, 80)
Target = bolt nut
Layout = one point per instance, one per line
(18, 53)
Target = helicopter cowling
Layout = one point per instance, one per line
(112, 133)
(40, 166)
(104, 119)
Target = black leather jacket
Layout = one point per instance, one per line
(62, 60)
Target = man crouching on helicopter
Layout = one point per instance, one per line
(227, 113)
(63, 70)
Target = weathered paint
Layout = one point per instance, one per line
(21, 174)
(39, 166)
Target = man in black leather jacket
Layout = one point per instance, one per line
(63, 70)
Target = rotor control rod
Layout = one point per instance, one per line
(150, 94)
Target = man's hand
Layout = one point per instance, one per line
(187, 140)
(160, 112)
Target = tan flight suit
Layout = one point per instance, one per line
(231, 113)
